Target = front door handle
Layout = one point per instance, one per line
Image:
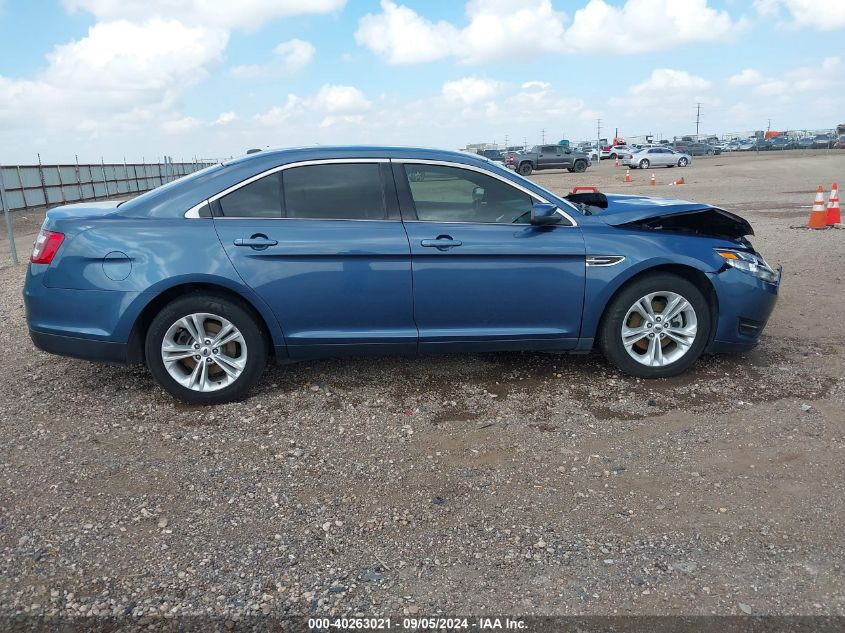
(259, 241)
(443, 242)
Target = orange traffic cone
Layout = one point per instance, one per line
(627, 175)
(653, 180)
(680, 181)
(818, 216)
(833, 214)
(617, 161)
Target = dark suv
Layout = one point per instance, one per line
(549, 157)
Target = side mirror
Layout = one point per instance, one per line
(544, 214)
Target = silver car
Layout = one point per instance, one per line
(656, 157)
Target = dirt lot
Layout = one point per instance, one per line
(509, 483)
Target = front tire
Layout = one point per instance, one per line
(656, 327)
(205, 349)
(580, 166)
(683, 162)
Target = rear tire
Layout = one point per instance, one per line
(214, 372)
(525, 169)
(673, 357)
(644, 164)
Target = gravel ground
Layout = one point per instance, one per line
(507, 483)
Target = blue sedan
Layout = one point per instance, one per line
(304, 253)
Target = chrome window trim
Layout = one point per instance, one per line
(445, 163)
(193, 212)
(604, 260)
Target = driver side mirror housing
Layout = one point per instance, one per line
(545, 214)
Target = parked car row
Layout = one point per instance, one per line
(819, 141)
(664, 153)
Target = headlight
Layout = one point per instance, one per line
(748, 262)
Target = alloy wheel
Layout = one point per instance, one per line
(204, 352)
(659, 328)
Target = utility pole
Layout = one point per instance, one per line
(769, 127)
(543, 136)
(697, 119)
(598, 136)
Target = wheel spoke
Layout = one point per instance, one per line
(199, 324)
(228, 339)
(682, 336)
(191, 328)
(643, 308)
(675, 307)
(171, 352)
(231, 366)
(194, 380)
(633, 335)
(655, 352)
(224, 331)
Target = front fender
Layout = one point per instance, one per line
(643, 251)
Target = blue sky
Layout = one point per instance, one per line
(211, 78)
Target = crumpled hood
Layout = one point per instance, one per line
(670, 214)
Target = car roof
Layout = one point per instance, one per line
(172, 199)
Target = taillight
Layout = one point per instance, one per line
(45, 247)
(510, 159)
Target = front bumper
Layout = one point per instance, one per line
(745, 304)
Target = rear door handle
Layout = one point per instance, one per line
(257, 241)
(443, 242)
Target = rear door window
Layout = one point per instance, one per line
(344, 191)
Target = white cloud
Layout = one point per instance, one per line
(748, 77)
(402, 36)
(181, 125)
(823, 15)
(648, 25)
(86, 80)
(542, 85)
(295, 54)
(665, 80)
(668, 96)
(336, 99)
(225, 118)
(223, 14)
(792, 81)
(470, 89)
(772, 87)
(245, 71)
